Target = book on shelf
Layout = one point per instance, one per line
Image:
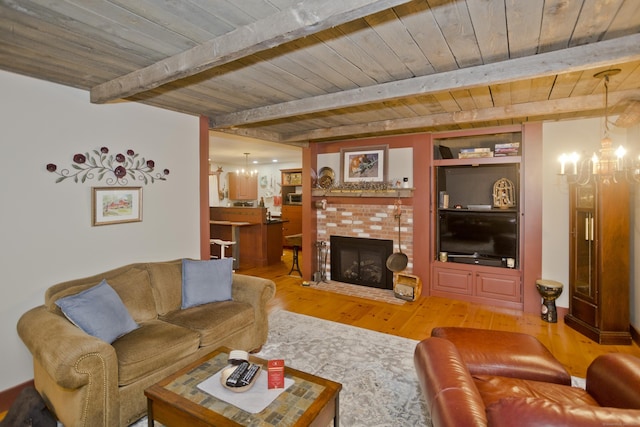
(507, 149)
(475, 150)
(475, 154)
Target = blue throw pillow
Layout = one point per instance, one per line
(206, 281)
(98, 311)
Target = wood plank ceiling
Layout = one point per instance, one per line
(294, 71)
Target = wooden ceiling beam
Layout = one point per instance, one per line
(630, 116)
(255, 133)
(577, 58)
(423, 123)
(303, 19)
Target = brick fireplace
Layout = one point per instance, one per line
(361, 261)
(372, 221)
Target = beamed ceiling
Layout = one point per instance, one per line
(293, 71)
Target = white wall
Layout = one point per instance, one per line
(400, 165)
(45, 228)
(565, 137)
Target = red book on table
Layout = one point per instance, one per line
(275, 373)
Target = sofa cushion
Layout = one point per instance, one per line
(132, 284)
(214, 321)
(134, 288)
(494, 388)
(166, 283)
(98, 311)
(504, 353)
(153, 346)
(206, 281)
(534, 412)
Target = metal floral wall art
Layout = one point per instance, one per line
(118, 169)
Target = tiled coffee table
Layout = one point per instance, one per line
(177, 400)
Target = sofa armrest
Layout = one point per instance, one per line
(613, 378)
(68, 354)
(535, 412)
(450, 392)
(256, 291)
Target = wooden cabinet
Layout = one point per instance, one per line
(291, 184)
(481, 284)
(599, 262)
(243, 187)
(292, 214)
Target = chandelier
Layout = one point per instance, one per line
(607, 166)
(245, 171)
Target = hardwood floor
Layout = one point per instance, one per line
(416, 319)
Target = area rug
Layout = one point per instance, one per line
(379, 384)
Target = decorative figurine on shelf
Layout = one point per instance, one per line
(503, 194)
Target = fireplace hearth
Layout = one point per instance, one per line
(361, 261)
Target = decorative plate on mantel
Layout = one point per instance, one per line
(327, 175)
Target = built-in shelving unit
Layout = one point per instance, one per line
(481, 237)
(477, 162)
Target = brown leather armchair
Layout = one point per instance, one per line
(457, 397)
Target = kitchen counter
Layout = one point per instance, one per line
(259, 241)
(235, 237)
(275, 221)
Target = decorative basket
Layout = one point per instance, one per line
(407, 286)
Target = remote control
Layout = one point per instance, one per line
(234, 378)
(249, 375)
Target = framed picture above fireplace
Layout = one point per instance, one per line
(359, 164)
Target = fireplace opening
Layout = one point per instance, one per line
(361, 261)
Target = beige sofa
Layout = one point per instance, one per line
(88, 382)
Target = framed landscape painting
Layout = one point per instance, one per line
(364, 164)
(116, 205)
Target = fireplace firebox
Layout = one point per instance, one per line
(361, 261)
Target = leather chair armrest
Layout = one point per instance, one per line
(613, 379)
(535, 412)
(68, 354)
(451, 395)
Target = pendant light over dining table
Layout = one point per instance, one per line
(246, 171)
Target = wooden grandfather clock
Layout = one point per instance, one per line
(599, 261)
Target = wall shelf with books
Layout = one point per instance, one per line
(478, 161)
(478, 149)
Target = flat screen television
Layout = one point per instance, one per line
(478, 237)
